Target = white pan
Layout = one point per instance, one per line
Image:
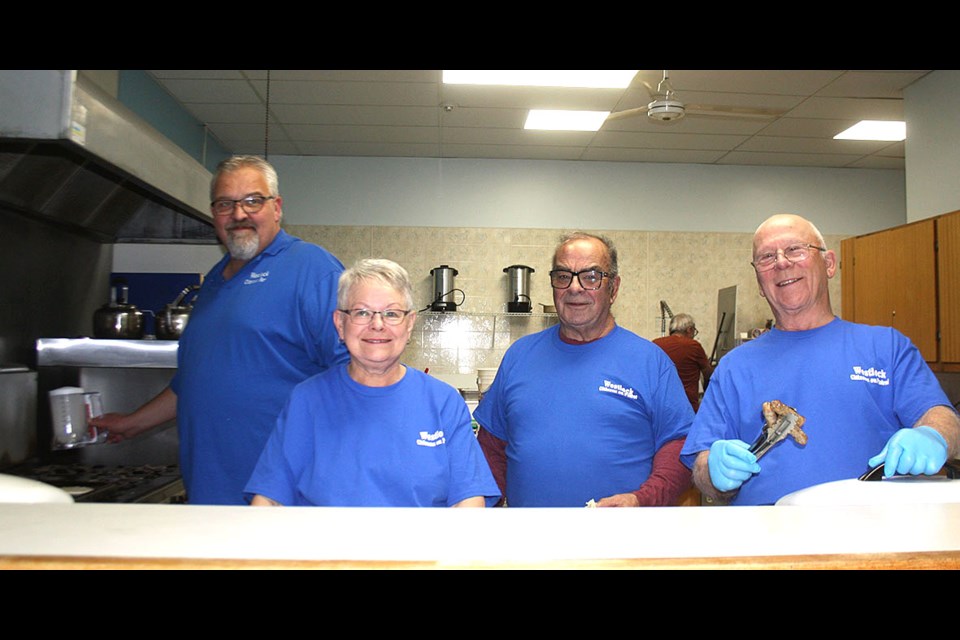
(17, 489)
(896, 490)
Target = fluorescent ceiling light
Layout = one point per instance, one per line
(543, 78)
(887, 130)
(557, 120)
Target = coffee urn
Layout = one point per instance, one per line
(443, 288)
(519, 278)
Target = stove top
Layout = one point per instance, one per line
(103, 483)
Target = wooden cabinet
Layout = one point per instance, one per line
(948, 267)
(907, 278)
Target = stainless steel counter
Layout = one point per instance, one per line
(93, 352)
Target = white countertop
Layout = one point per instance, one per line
(472, 537)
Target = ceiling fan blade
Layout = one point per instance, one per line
(653, 92)
(724, 111)
(627, 113)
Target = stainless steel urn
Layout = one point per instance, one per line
(443, 288)
(519, 279)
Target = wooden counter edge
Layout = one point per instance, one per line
(933, 560)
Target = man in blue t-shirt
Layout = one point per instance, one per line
(865, 393)
(585, 412)
(260, 325)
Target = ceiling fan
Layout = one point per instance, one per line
(664, 106)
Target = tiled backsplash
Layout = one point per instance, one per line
(684, 269)
(461, 341)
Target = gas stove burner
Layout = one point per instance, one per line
(102, 483)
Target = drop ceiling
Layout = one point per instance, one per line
(410, 113)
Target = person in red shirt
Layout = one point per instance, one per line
(688, 355)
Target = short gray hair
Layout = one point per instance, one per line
(235, 163)
(379, 270)
(681, 322)
(567, 238)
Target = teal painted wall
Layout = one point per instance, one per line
(142, 95)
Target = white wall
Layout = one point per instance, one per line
(599, 195)
(933, 145)
(555, 195)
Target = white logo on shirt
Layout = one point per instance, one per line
(619, 389)
(871, 375)
(431, 439)
(257, 277)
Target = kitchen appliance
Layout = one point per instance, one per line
(518, 276)
(172, 319)
(128, 373)
(146, 483)
(443, 288)
(73, 154)
(118, 319)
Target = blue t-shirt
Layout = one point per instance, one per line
(340, 443)
(854, 384)
(582, 422)
(249, 341)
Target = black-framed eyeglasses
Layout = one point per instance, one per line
(250, 204)
(590, 279)
(365, 316)
(793, 254)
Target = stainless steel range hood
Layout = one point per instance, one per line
(73, 155)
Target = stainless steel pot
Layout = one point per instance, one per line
(118, 319)
(172, 319)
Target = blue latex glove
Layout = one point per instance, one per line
(920, 450)
(731, 464)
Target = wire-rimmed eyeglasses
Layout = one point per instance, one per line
(365, 316)
(793, 254)
(589, 279)
(249, 204)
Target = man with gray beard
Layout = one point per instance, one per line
(260, 325)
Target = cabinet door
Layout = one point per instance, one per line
(848, 308)
(895, 274)
(948, 259)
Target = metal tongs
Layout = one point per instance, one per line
(771, 436)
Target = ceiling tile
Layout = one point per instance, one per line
(410, 113)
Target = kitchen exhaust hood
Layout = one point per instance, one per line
(74, 156)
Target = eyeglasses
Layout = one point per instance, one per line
(591, 279)
(696, 332)
(365, 316)
(793, 254)
(250, 204)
